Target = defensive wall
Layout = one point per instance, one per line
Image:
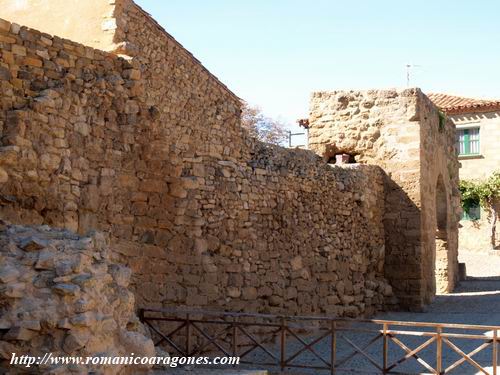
(142, 143)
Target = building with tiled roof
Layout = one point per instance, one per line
(477, 124)
(478, 132)
(478, 148)
(451, 104)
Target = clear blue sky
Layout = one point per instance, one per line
(274, 53)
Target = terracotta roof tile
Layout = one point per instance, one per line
(452, 104)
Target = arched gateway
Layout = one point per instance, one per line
(442, 279)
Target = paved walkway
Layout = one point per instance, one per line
(475, 301)
(201, 371)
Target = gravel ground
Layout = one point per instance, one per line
(481, 264)
(475, 301)
(210, 372)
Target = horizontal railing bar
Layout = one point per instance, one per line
(247, 324)
(321, 318)
(468, 336)
(435, 325)
(324, 329)
(318, 329)
(219, 322)
(275, 325)
(290, 323)
(408, 333)
(452, 335)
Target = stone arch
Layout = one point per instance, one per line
(441, 206)
(441, 254)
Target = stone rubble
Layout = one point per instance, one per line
(60, 294)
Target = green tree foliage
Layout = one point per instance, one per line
(483, 193)
(487, 194)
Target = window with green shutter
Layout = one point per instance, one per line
(471, 213)
(468, 142)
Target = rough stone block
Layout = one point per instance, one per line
(18, 50)
(5, 74)
(4, 25)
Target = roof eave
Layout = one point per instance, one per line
(459, 110)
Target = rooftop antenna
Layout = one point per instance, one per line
(408, 71)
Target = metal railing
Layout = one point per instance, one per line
(284, 339)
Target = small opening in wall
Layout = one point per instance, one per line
(342, 159)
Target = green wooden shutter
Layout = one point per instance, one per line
(466, 142)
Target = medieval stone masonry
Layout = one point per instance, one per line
(143, 144)
(402, 132)
(149, 150)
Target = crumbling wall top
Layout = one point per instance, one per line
(89, 22)
(101, 24)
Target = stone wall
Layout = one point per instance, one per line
(296, 233)
(440, 199)
(198, 115)
(148, 148)
(60, 294)
(401, 132)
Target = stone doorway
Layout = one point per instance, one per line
(442, 280)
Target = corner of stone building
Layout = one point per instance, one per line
(400, 130)
(440, 200)
(117, 22)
